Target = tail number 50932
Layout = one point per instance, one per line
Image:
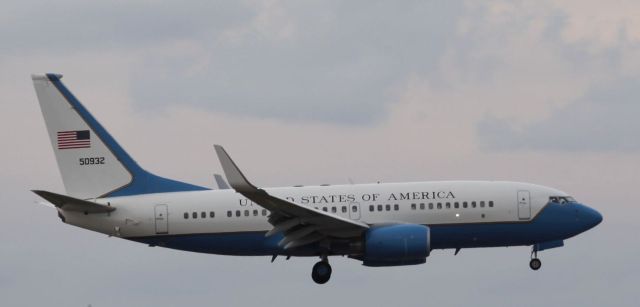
(91, 161)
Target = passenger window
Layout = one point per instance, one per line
(186, 215)
(333, 210)
(203, 214)
(473, 204)
(396, 207)
(464, 205)
(439, 205)
(448, 205)
(324, 209)
(413, 206)
(371, 207)
(456, 205)
(212, 214)
(491, 203)
(388, 207)
(421, 206)
(264, 212)
(482, 204)
(255, 212)
(229, 213)
(344, 209)
(238, 213)
(246, 212)
(194, 215)
(379, 207)
(430, 206)
(353, 209)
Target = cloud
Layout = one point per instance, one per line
(532, 88)
(605, 119)
(599, 27)
(78, 26)
(304, 63)
(325, 61)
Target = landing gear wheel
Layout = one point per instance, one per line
(535, 264)
(321, 272)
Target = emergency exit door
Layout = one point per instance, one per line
(524, 205)
(162, 219)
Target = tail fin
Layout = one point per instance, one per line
(91, 162)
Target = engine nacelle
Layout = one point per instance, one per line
(401, 244)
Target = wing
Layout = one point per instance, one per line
(300, 225)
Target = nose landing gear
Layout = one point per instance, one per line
(321, 271)
(535, 263)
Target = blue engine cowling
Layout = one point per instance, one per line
(402, 244)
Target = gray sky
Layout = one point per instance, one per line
(543, 92)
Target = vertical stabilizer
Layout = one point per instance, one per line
(91, 162)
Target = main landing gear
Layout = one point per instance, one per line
(535, 263)
(321, 271)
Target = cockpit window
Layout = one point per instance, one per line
(561, 199)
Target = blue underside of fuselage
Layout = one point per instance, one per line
(555, 222)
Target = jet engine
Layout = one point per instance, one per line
(393, 245)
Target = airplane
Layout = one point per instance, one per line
(379, 224)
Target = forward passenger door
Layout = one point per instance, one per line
(524, 205)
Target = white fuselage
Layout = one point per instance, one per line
(428, 203)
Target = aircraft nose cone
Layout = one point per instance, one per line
(591, 217)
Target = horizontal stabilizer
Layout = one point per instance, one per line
(68, 203)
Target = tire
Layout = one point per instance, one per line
(321, 272)
(535, 264)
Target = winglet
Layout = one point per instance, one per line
(234, 176)
(222, 185)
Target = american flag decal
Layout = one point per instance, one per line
(74, 139)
